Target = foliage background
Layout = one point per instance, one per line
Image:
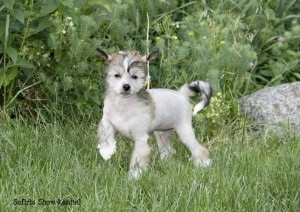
(48, 65)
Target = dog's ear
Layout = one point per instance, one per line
(103, 54)
(150, 56)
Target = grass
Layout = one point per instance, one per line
(60, 161)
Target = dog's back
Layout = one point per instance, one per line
(170, 107)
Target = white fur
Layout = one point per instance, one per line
(107, 146)
(198, 107)
(134, 117)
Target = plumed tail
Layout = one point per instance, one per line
(198, 87)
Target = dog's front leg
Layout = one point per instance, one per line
(140, 156)
(107, 142)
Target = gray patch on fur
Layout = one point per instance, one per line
(145, 97)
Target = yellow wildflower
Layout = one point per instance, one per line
(190, 33)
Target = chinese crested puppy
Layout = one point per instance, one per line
(135, 112)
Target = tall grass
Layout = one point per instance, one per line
(60, 161)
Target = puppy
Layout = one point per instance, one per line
(135, 112)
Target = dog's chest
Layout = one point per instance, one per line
(129, 118)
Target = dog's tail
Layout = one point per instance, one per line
(198, 87)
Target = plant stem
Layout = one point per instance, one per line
(148, 67)
(26, 28)
(4, 58)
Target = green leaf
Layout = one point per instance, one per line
(2, 29)
(43, 24)
(270, 14)
(10, 75)
(262, 78)
(1, 8)
(79, 3)
(18, 14)
(86, 95)
(292, 53)
(2, 76)
(68, 3)
(22, 63)
(57, 54)
(49, 8)
(266, 73)
(297, 75)
(9, 4)
(12, 53)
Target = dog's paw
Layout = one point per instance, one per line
(135, 174)
(106, 150)
(207, 162)
(202, 163)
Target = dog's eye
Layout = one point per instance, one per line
(134, 77)
(117, 75)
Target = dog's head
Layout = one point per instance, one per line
(126, 71)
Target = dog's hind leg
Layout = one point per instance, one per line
(200, 155)
(164, 145)
(107, 142)
(140, 157)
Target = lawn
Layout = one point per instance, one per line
(51, 167)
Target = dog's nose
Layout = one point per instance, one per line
(126, 87)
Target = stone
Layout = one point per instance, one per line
(276, 108)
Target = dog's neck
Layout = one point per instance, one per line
(141, 95)
(119, 97)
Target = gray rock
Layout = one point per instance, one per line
(276, 108)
